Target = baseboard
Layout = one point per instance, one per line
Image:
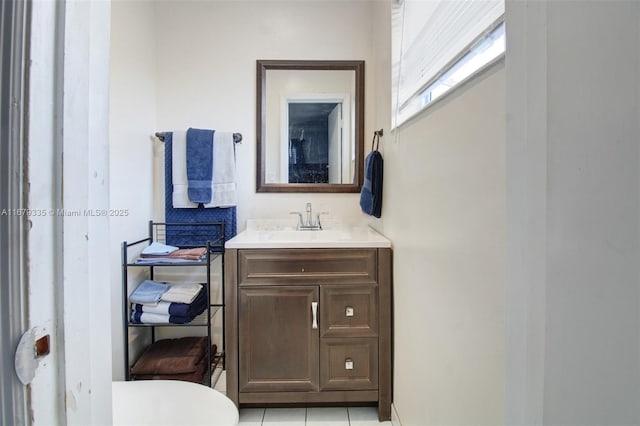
(395, 419)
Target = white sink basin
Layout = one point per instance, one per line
(321, 235)
(339, 238)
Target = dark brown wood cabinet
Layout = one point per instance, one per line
(309, 326)
(277, 347)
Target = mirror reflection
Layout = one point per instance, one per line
(316, 156)
(308, 120)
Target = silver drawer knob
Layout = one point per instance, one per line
(348, 364)
(348, 311)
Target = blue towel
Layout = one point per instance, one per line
(148, 292)
(184, 235)
(144, 318)
(371, 193)
(192, 309)
(199, 165)
(138, 317)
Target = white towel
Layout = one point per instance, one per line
(158, 249)
(179, 170)
(160, 308)
(181, 293)
(223, 188)
(148, 318)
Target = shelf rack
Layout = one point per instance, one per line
(182, 235)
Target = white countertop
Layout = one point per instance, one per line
(341, 237)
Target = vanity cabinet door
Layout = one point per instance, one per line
(278, 340)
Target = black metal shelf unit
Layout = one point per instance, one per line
(182, 235)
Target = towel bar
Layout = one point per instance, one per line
(237, 137)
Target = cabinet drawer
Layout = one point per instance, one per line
(348, 311)
(348, 364)
(307, 266)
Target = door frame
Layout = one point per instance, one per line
(14, 396)
(336, 142)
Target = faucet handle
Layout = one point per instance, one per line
(318, 219)
(300, 220)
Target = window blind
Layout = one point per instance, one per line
(428, 36)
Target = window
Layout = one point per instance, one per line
(439, 44)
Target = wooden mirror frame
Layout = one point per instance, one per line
(261, 73)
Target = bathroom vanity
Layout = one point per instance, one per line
(308, 318)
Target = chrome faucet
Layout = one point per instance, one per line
(309, 220)
(310, 225)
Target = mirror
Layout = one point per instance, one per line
(310, 121)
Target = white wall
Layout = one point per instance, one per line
(592, 365)
(132, 123)
(444, 210)
(207, 54)
(574, 282)
(68, 173)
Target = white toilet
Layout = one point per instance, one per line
(171, 403)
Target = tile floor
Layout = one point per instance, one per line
(312, 416)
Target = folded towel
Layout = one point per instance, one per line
(181, 293)
(156, 248)
(371, 193)
(196, 253)
(196, 377)
(223, 191)
(148, 292)
(164, 259)
(172, 308)
(187, 310)
(184, 289)
(146, 318)
(171, 356)
(199, 165)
